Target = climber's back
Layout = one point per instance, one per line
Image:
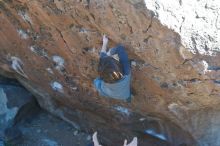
(114, 76)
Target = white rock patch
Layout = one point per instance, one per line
(59, 61)
(197, 22)
(22, 34)
(133, 63)
(56, 86)
(16, 65)
(201, 67)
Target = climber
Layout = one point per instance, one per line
(114, 76)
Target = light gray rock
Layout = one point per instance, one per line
(17, 66)
(197, 22)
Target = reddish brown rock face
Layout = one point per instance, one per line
(57, 45)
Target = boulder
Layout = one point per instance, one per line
(52, 47)
(16, 105)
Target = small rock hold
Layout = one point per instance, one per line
(133, 63)
(56, 86)
(22, 34)
(59, 62)
(17, 66)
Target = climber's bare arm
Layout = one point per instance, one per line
(105, 44)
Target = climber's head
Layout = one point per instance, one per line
(110, 70)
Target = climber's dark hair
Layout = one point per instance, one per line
(109, 70)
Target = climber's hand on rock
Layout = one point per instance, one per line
(105, 43)
(105, 40)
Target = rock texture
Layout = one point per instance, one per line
(13, 97)
(16, 104)
(22, 122)
(175, 91)
(197, 22)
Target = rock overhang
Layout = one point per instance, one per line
(167, 77)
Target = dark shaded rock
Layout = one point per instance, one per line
(17, 105)
(13, 136)
(27, 111)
